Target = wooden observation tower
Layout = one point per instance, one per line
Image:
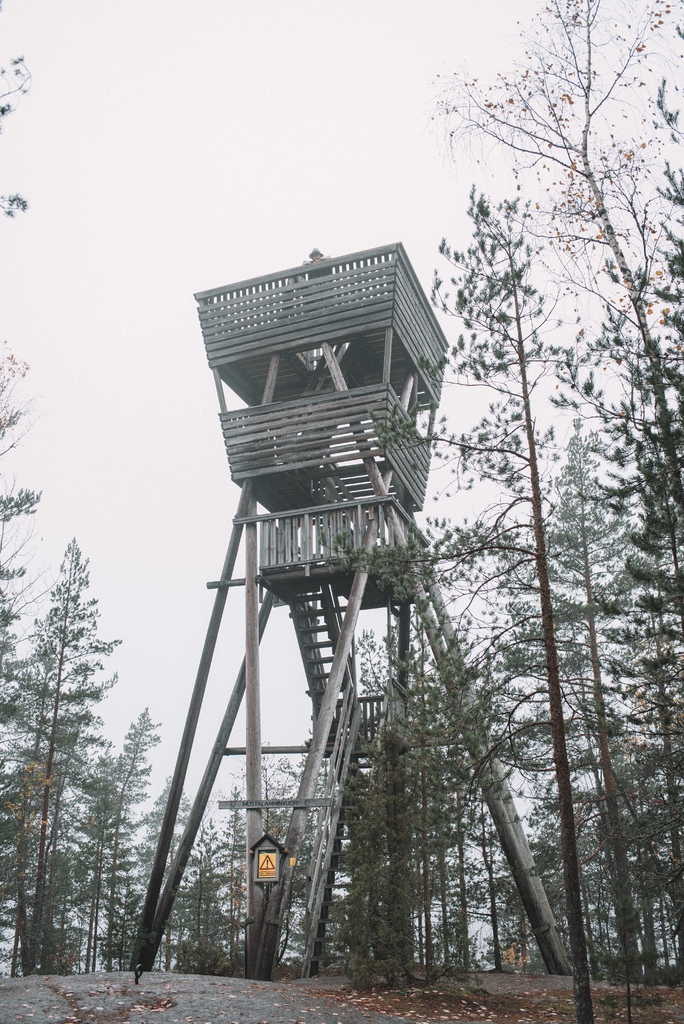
(333, 361)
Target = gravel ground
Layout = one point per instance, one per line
(180, 999)
(487, 998)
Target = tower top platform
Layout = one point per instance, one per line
(345, 300)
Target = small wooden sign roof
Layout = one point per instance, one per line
(267, 840)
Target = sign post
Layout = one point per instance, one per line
(267, 853)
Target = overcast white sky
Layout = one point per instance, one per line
(167, 147)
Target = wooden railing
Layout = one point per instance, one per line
(238, 315)
(314, 535)
(373, 712)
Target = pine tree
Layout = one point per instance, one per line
(505, 352)
(94, 832)
(234, 840)
(377, 910)
(199, 908)
(587, 558)
(69, 652)
(131, 772)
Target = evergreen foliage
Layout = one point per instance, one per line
(377, 910)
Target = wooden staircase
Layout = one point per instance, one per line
(329, 833)
(317, 615)
(317, 927)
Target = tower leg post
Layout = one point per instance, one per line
(184, 849)
(146, 943)
(256, 901)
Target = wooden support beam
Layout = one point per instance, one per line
(256, 897)
(241, 751)
(220, 392)
(184, 849)
(334, 368)
(269, 389)
(387, 360)
(217, 584)
(256, 902)
(145, 948)
(320, 376)
(147, 941)
(407, 389)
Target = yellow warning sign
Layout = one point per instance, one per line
(266, 865)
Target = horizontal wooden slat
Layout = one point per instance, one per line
(299, 309)
(325, 434)
(298, 304)
(331, 286)
(303, 327)
(348, 262)
(317, 510)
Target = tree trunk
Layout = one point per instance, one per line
(591, 946)
(493, 914)
(425, 873)
(672, 798)
(421, 946)
(39, 899)
(462, 890)
(580, 967)
(625, 914)
(93, 899)
(524, 952)
(444, 903)
(663, 930)
(21, 927)
(48, 943)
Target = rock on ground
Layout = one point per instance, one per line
(160, 998)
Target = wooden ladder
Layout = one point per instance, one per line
(362, 729)
(329, 832)
(317, 617)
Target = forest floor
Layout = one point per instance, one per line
(503, 998)
(193, 999)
